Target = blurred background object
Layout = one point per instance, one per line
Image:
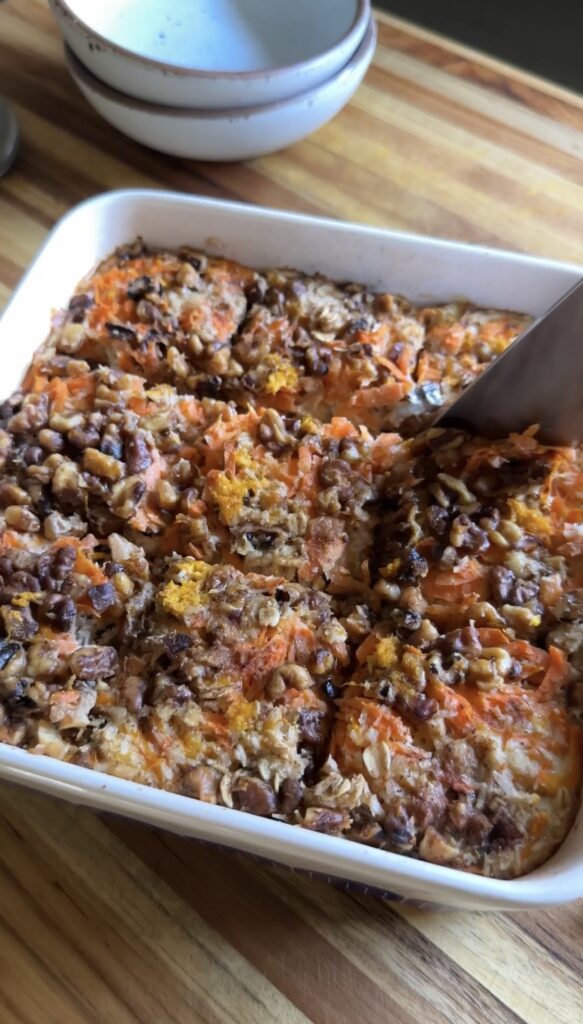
(9, 136)
(543, 38)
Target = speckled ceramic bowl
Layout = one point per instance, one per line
(212, 54)
(231, 134)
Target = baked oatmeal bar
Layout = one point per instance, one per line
(300, 344)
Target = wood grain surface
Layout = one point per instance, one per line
(111, 922)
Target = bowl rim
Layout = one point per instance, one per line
(80, 71)
(361, 18)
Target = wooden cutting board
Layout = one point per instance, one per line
(110, 922)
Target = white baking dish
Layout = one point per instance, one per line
(421, 268)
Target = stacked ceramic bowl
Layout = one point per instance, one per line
(217, 79)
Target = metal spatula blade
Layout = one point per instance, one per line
(539, 379)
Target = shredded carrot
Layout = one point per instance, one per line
(323, 554)
(393, 368)
(58, 392)
(428, 368)
(468, 583)
(303, 699)
(449, 337)
(375, 398)
(191, 409)
(216, 724)
(85, 567)
(458, 707)
(11, 539)
(339, 428)
(551, 589)
(260, 662)
(532, 660)
(375, 718)
(35, 380)
(492, 637)
(302, 642)
(556, 674)
(64, 697)
(367, 647)
(384, 451)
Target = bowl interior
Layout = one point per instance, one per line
(220, 35)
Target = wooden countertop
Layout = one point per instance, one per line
(110, 922)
